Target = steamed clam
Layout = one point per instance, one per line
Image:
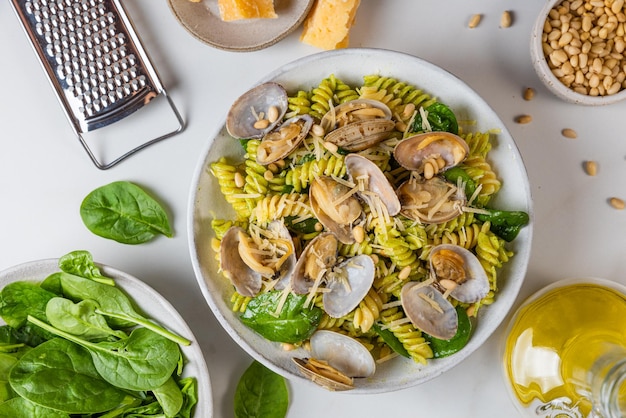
(257, 111)
(431, 153)
(459, 272)
(316, 259)
(247, 259)
(429, 310)
(335, 206)
(335, 360)
(280, 142)
(358, 124)
(373, 186)
(347, 285)
(431, 201)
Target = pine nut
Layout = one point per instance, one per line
(448, 284)
(268, 175)
(358, 233)
(317, 130)
(617, 203)
(404, 273)
(529, 93)
(523, 119)
(474, 21)
(272, 114)
(569, 133)
(591, 168)
(330, 146)
(239, 180)
(506, 19)
(261, 124)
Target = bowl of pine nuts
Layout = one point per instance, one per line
(578, 50)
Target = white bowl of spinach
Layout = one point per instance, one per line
(80, 338)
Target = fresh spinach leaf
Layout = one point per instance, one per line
(189, 389)
(454, 174)
(80, 319)
(113, 303)
(261, 393)
(440, 118)
(306, 226)
(22, 408)
(391, 340)
(294, 323)
(124, 212)
(81, 264)
(20, 299)
(505, 224)
(61, 375)
(143, 361)
(170, 397)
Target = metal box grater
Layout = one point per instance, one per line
(95, 63)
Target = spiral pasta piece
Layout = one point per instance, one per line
(330, 92)
(411, 338)
(279, 206)
(300, 104)
(300, 176)
(368, 311)
(225, 174)
(406, 94)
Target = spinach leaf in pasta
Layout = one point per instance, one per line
(440, 118)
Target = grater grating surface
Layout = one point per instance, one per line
(94, 61)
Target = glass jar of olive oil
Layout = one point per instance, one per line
(565, 351)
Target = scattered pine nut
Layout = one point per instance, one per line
(506, 19)
(474, 21)
(404, 273)
(239, 180)
(272, 114)
(358, 233)
(317, 130)
(617, 203)
(591, 168)
(529, 93)
(268, 175)
(523, 119)
(569, 133)
(261, 124)
(330, 146)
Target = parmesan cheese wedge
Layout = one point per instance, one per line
(246, 9)
(328, 24)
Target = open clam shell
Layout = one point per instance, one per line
(445, 262)
(280, 142)
(429, 311)
(243, 113)
(323, 374)
(359, 166)
(431, 201)
(335, 206)
(247, 281)
(285, 271)
(353, 279)
(431, 152)
(358, 124)
(317, 257)
(342, 352)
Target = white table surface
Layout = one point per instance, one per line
(45, 174)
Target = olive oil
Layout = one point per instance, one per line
(554, 346)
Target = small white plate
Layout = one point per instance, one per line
(150, 303)
(350, 65)
(203, 21)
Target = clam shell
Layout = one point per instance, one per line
(355, 133)
(424, 316)
(412, 152)
(273, 147)
(358, 272)
(342, 352)
(241, 118)
(324, 248)
(414, 204)
(247, 282)
(285, 272)
(358, 165)
(324, 184)
(476, 285)
(328, 380)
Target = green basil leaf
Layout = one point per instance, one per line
(444, 348)
(124, 212)
(61, 375)
(261, 393)
(293, 324)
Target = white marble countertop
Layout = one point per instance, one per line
(45, 174)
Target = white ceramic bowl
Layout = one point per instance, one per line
(150, 303)
(547, 76)
(350, 65)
